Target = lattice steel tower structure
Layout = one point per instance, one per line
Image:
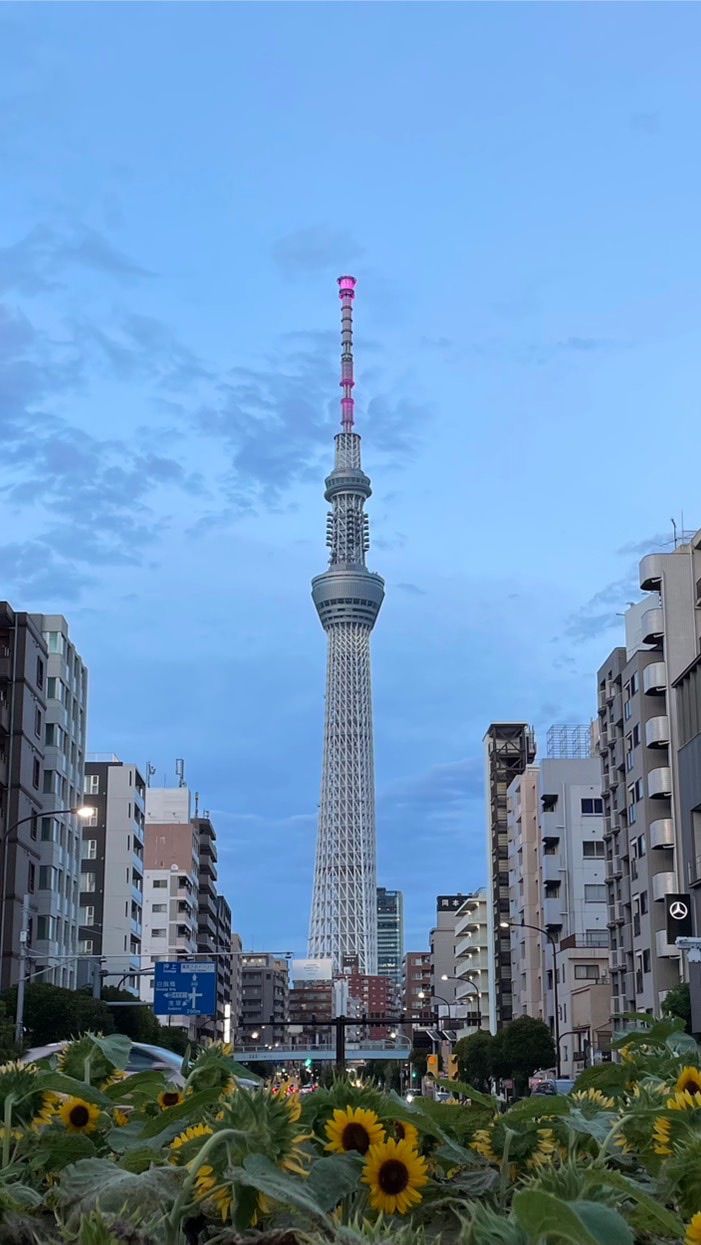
(348, 598)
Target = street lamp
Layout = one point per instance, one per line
(465, 981)
(551, 939)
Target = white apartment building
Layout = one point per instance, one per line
(472, 963)
(112, 871)
(558, 896)
(57, 902)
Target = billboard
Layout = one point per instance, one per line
(679, 920)
(312, 970)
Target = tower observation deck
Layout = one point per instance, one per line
(348, 598)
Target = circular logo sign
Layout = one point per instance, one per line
(678, 910)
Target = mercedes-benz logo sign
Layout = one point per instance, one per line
(678, 910)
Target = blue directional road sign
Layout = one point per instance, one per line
(182, 989)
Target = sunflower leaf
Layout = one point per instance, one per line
(333, 1177)
(542, 1215)
(98, 1184)
(261, 1174)
(190, 1108)
(115, 1047)
(664, 1219)
(59, 1083)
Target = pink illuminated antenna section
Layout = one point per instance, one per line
(346, 295)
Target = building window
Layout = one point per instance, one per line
(87, 882)
(89, 849)
(591, 847)
(639, 790)
(643, 902)
(636, 734)
(646, 961)
(158, 933)
(586, 972)
(36, 773)
(159, 907)
(40, 672)
(34, 825)
(595, 893)
(627, 711)
(31, 877)
(87, 915)
(86, 946)
(91, 786)
(634, 683)
(37, 722)
(592, 807)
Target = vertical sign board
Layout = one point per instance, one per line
(182, 989)
(679, 919)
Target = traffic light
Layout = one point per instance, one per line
(308, 1063)
(432, 1065)
(453, 1068)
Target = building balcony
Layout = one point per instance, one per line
(625, 889)
(136, 928)
(552, 866)
(657, 732)
(663, 884)
(651, 572)
(659, 783)
(629, 980)
(662, 833)
(552, 913)
(626, 937)
(663, 948)
(655, 679)
(653, 625)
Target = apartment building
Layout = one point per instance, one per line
(390, 934)
(442, 942)
(112, 872)
(508, 748)
(472, 964)
(225, 968)
(687, 696)
(314, 996)
(208, 932)
(641, 733)
(55, 945)
(23, 662)
(264, 997)
(416, 984)
(171, 885)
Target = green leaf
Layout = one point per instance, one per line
(138, 1159)
(660, 1217)
(56, 1150)
(116, 1047)
(261, 1174)
(98, 1184)
(190, 1108)
(19, 1197)
(333, 1177)
(139, 1086)
(58, 1083)
(461, 1087)
(543, 1216)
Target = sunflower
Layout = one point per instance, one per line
(693, 1231)
(354, 1129)
(207, 1189)
(482, 1143)
(186, 1145)
(593, 1097)
(395, 1173)
(294, 1107)
(545, 1149)
(689, 1079)
(683, 1100)
(661, 1136)
(406, 1132)
(79, 1116)
(120, 1117)
(30, 1106)
(169, 1098)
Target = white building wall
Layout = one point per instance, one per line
(168, 804)
(472, 962)
(124, 867)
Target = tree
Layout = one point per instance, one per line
(475, 1058)
(523, 1046)
(419, 1063)
(137, 1022)
(52, 1014)
(678, 1003)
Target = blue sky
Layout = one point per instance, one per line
(518, 191)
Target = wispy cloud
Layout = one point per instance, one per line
(411, 590)
(599, 614)
(35, 262)
(316, 249)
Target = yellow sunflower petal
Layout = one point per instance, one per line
(78, 1116)
(353, 1129)
(394, 1173)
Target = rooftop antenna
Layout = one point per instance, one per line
(346, 295)
(180, 771)
(674, 529)
(197, 804)
(150, 771)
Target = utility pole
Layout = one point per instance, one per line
(21, 983)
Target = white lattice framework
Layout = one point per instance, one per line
(348, 598)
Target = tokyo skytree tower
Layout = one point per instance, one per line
(348, 598)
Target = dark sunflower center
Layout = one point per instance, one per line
(355, 1137)
(400, 1131)
(393, 1177)
(170, 1099)
(80, 1116)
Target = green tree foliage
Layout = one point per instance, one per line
(678, 1003)
(137, 1022)
(52, 1014)
(419, 1062)
(475, 1058)
(520, 1049)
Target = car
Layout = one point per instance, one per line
(545, 1087)
(142, 1058)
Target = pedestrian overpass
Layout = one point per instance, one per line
(300, 1054)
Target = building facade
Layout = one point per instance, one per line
(473, 968)
(264, 998)
(416, 984)
(112, 872)
(171, 886)
(508, 748)
(442, 941)
(390, 934)
(348, 598)
(208, 923)
(23, 686)
(688, 717)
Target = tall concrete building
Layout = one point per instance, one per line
(557, 872)
(23, 661)
(112, 872)
(687, 692)
(416, 984)
(65, 728)
(348, 598)
(390, 934)
(442, 944)
(640, 741)
(473, 966)
(265, 998)
(508, 748)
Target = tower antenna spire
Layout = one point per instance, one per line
(346, 295)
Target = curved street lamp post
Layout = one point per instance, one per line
(556, 1002)
(467, 981)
